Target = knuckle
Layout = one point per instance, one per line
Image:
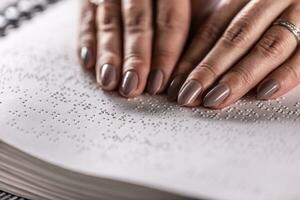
(136, 19)
(87, 38)
(137, 62)
(242, 74)
(210, 69)
(85, 29)
(87, 23)
(238, 33)
(134, 59)
(209, 31)
(108, 17)
(165, 53)
(109, 57)
(87, 16)
(272, 44)
(292, 73)
(108, 28)
(169, 21)
(87, 7)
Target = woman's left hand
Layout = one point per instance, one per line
(134, 45)
(244, 44)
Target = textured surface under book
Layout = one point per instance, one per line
(8, 196)
(53, 109)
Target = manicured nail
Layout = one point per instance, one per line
(155, 81)
(267, 89)
(129, 83)
(189, 93)
(85, 56)
(216, 96)
(175, 86)
(107, 75)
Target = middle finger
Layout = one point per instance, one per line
(137, 21)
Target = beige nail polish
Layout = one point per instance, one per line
(189, 92)
(107, 75)
(267, 89)
(216, 96)
(175, 86)
(155, 81)
(129, 83)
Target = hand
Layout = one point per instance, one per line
(116, 38)
(236, 49)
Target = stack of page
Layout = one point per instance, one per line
(62, 138)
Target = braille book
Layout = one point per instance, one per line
(62, 138)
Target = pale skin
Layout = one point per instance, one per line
(199, 52)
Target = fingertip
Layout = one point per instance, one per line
(189, 93)
(174, 87)
(155, 81)
(267, 89)
(107, 77)
(215, 97)
(86, 57)
(129, 84)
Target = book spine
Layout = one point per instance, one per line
(17, 11)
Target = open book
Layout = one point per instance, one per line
(62, 138)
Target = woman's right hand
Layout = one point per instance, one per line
(243, 45)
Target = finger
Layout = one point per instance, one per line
(203, 40)
(108, 68)
(275, 47)
(201, 9)
(282, 80)
(87, 35)
(243, 32)
(172, 25)
(137, 21)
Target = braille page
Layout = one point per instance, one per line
(52, 109)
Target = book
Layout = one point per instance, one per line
(62, 138)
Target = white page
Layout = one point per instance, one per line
(52, 109)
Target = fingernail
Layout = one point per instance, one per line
(189, 93)
(175, 86)
(85, 56)
(107, 75)
(129, 83)
(267, 89)
(155, 81)
(216, 96)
